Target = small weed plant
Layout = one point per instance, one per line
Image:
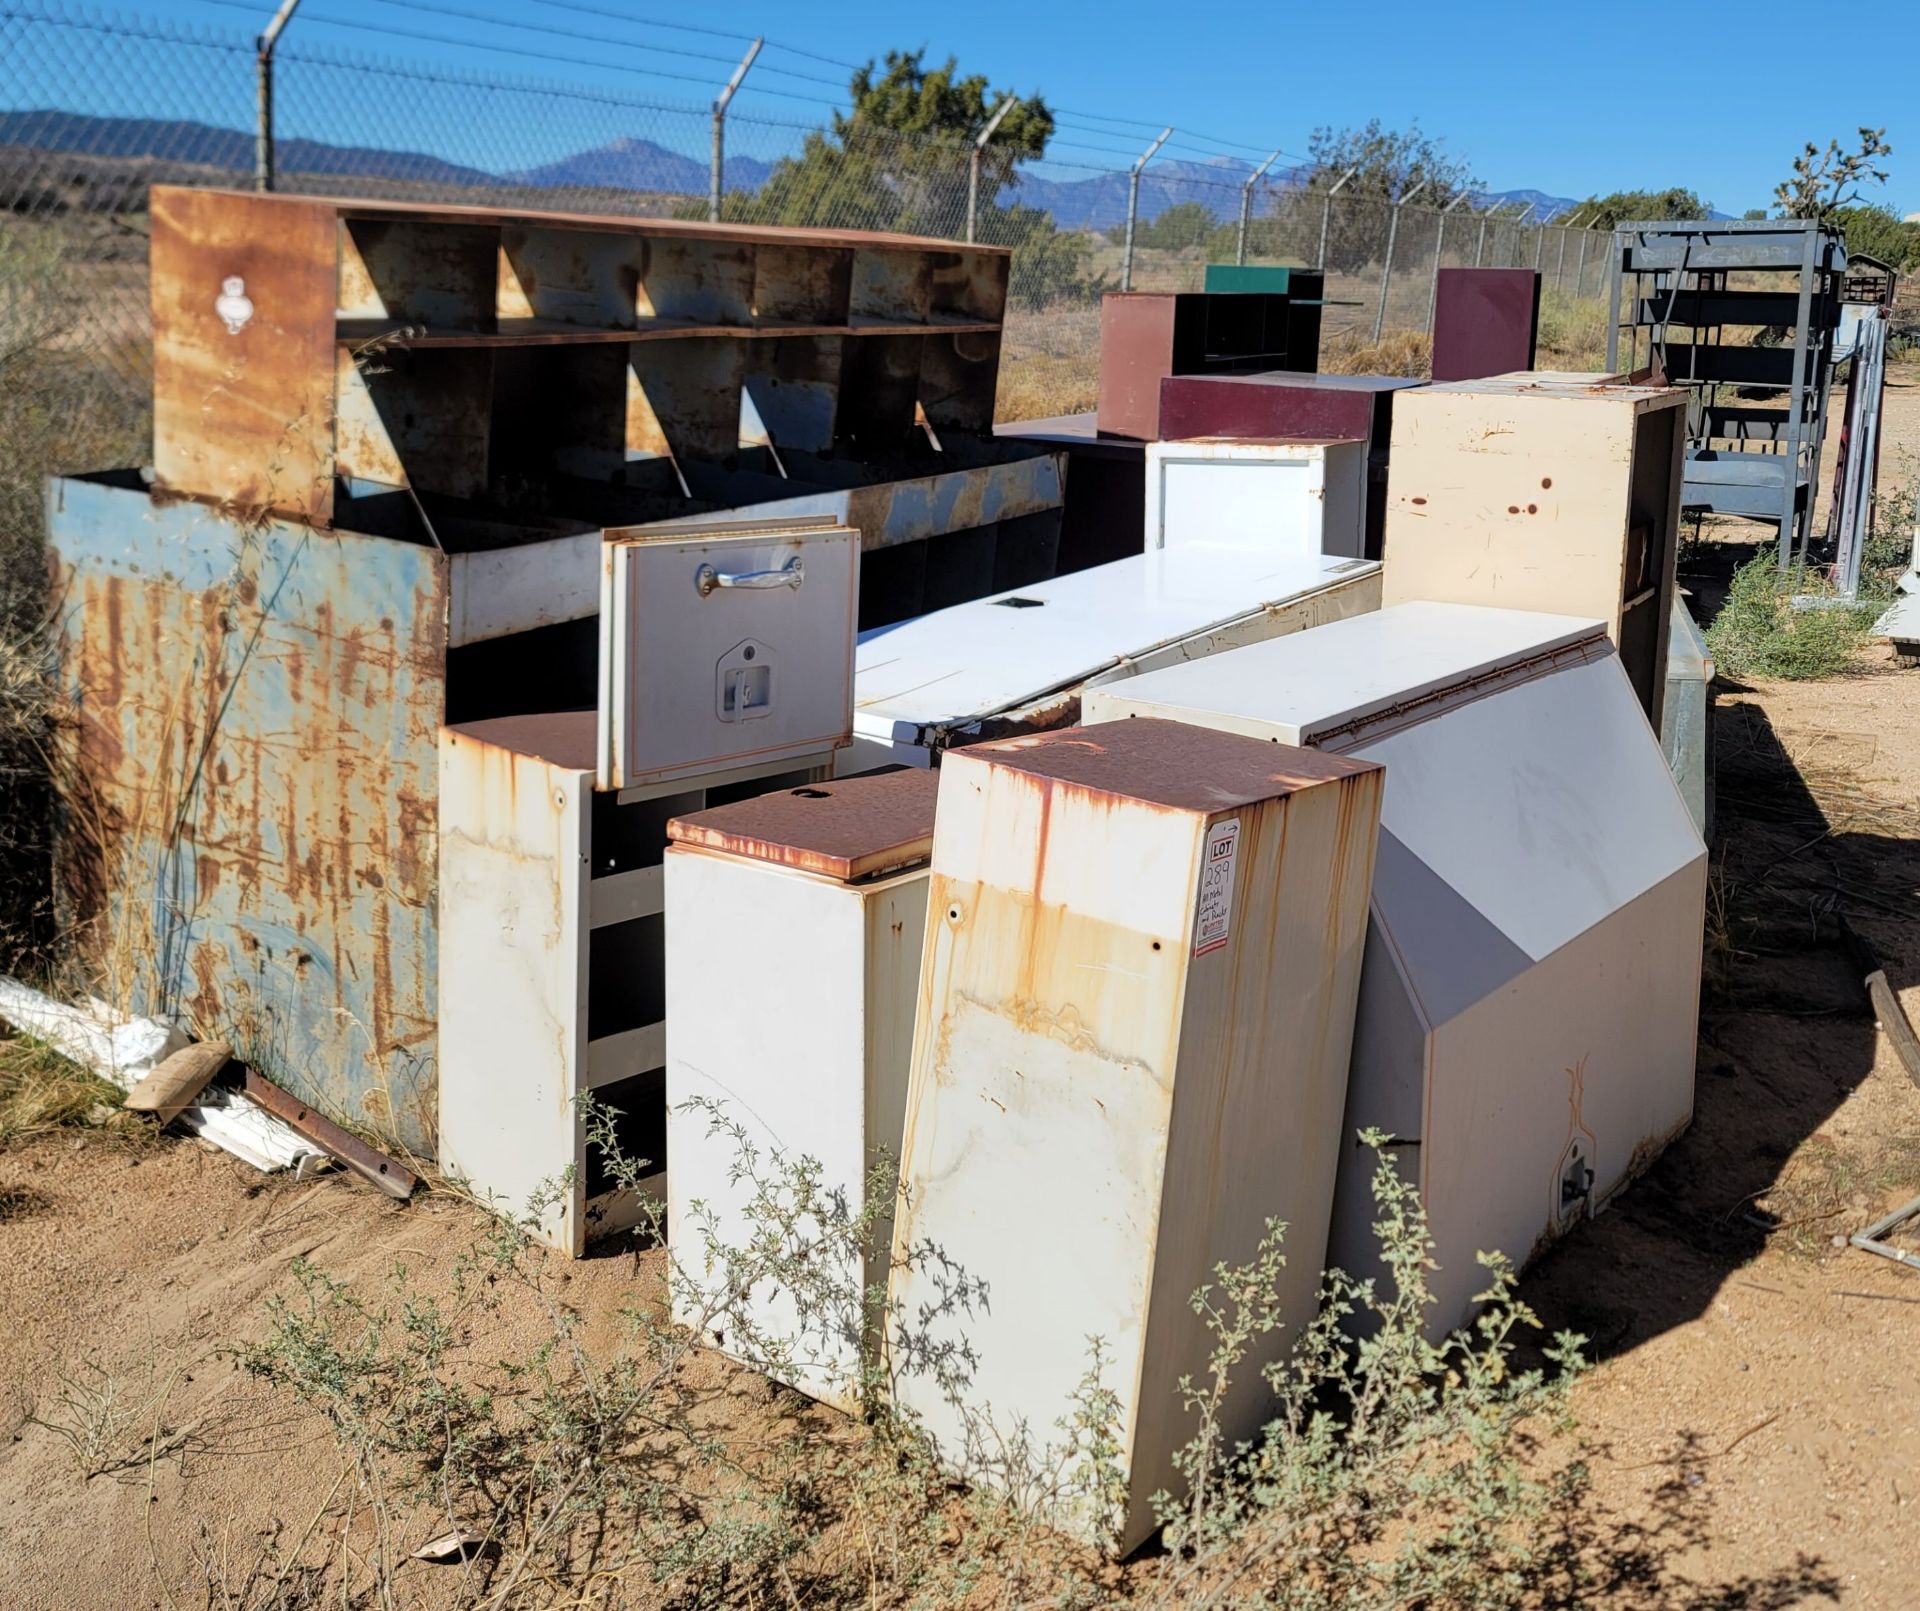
(1394, 1472)
(1760, 633)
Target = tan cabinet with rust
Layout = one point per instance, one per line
(1541, 491)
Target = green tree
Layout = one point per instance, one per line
(1378, 166)
(1179, 228)
(1880, 232)
(1631, 206)
(899, 159)
(1824, 181)
(1387, 163)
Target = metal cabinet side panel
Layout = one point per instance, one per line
(1527, 1070)
(243, 349)
(1386, 1090)
(896, 918)
(513, 979)
(1266, 1032)
(768, 1022)
(257, 705)
(1508, 500)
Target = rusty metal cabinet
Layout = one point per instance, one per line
(1543, 491)
(797, 921)
(1136, 1004)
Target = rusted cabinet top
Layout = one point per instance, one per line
(852, 829)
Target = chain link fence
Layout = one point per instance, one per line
(95, 108)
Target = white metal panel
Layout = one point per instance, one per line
(1537, 909)
(1585, 1064)
(1272, 497)
(1298, 689)
(1546, 807)
(804, 1045)
(980, 659)
(725, 650)
(513, 936)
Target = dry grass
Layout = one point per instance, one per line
(1397, 352)
(41, 1091)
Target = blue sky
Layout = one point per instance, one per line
(1552, 97)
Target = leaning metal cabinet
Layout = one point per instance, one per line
(1136, 1005)
(797, 921)
(1543, 492)
(552, 940)
(1528, 1004)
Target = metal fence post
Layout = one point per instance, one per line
(1519, 224)
(1540, 243)
(1007, 104)
(1326, 214)
(716, 176)
(1560, 262)
(1439, 242)
(1480, 249)
(1580, 269)
(1386, 266)
(1246, 204)
(1133, 206)
(263, 59)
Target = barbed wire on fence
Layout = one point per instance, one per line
(95, 108)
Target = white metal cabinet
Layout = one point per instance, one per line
(1021, 659)
(728, 648)
(1303, 498)
(1528, 1007)
(797, 921)
(1143, 943)
(552, 829)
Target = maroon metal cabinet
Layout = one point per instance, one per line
(1485, 322)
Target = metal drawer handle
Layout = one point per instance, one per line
(791, 574)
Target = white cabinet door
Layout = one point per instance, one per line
(725, 649)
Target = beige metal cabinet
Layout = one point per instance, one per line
(1543, 491)
(1136, 1005)
(797, 921)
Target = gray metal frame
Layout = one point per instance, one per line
(1759, 462)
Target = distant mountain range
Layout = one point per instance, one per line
(1096, 202)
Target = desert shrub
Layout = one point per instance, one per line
(1573, 331)
(1759, 632)
(1395, 1472)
